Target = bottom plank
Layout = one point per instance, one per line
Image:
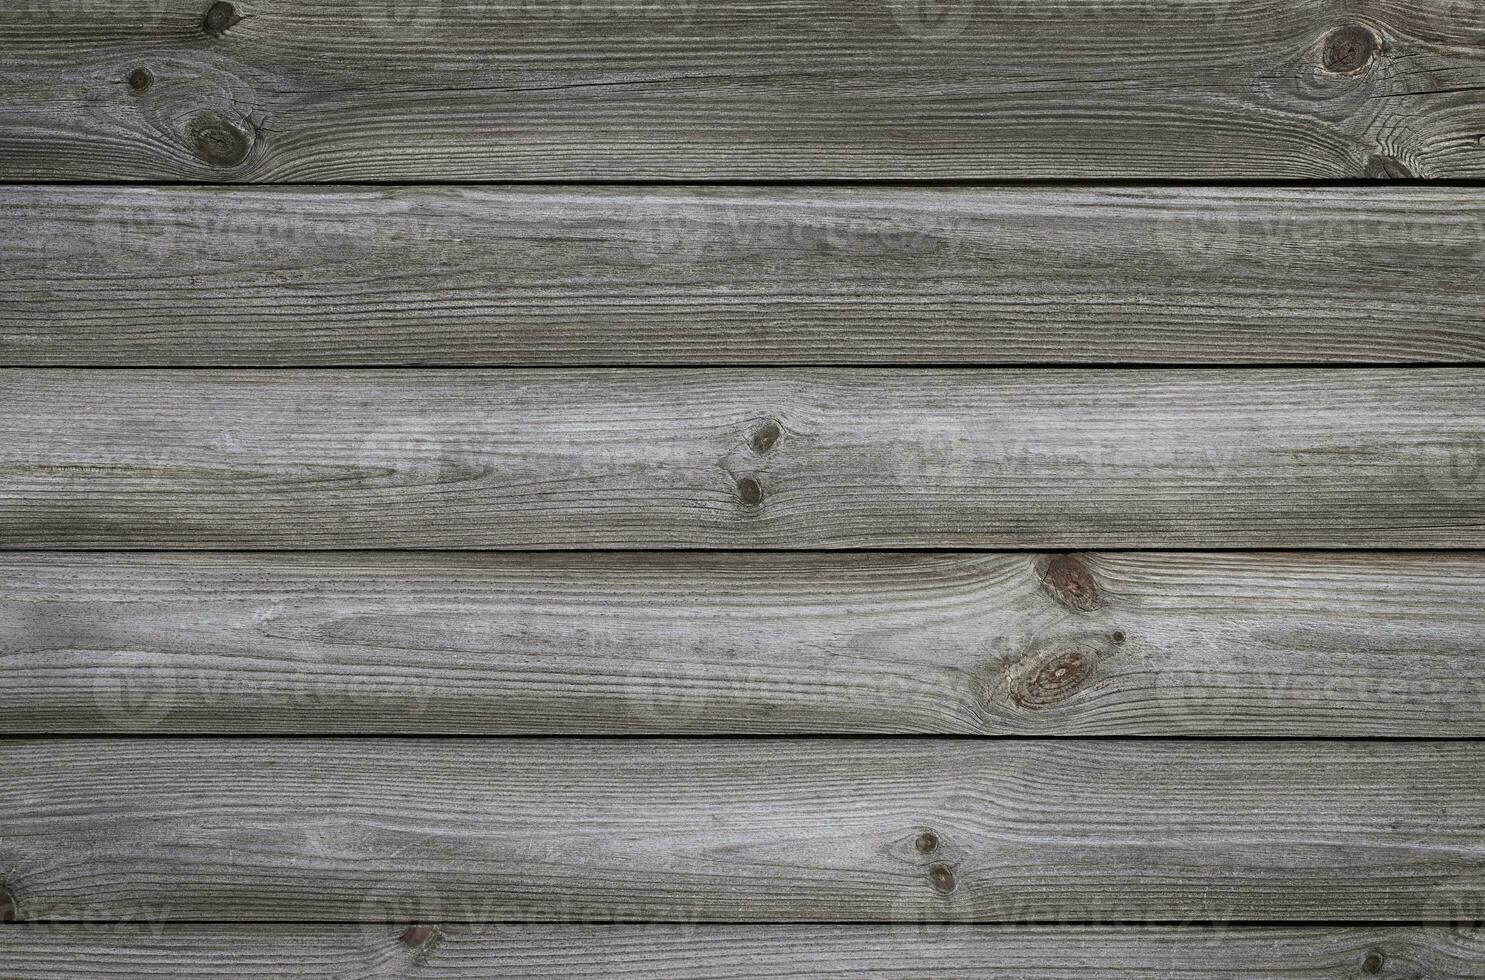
(741, 830)
(258, 952)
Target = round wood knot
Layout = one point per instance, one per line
(750, 491)
(1068, 580)
(220, 17)
(140, 79)
(942, 877)
(217, 141)
(765, 436)
(1055, 680)
(1373, 963)
(1348, 49)
(927, 842)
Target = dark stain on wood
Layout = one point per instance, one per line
(1068, 579)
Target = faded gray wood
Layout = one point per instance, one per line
(662, 89)
(751, 830)
(787, 458)
(601, 643)
(287, 952)
(768, 276)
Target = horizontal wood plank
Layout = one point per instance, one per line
(769, 276)
(626, 952)
(789, 458)
(666, 643)
(279, 90)
(847, 830)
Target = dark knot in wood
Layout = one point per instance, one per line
(220, 17)
(1068, 579)
(927, 842)
(140, 79)
(1373, 963)
(942, 877)
(217, 141)
(1348, 49)
(763, 438)
(750, 491)
(1053, 680)
(416, 937)
(7, 906)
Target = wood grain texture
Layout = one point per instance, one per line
(290, 952)
(788, 458)
(659, 89)
(847, 830)
(668, 643)
(767, 276)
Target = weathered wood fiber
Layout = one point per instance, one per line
(787, 458)
(766, 276)
(280, 90)
(626, 952)
(667, 643)
(741, 830)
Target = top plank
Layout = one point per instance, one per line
(279, 90)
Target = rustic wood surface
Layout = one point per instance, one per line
(279, 90)
(1360, 644)
(752, 830)
(788, 458)
(766, 276)
(280, 952)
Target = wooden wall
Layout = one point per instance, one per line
(777, 488)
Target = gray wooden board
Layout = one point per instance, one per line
(766, 276)
(751, 830)
(660, 89)
(746, 458)
(1357, 644)
(688, 952)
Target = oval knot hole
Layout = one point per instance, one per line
(942, 877)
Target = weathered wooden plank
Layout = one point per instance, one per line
(373, 90)
(624, 952)
(786, 458)
(769, 276)
(748, 830)
(666, 643)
